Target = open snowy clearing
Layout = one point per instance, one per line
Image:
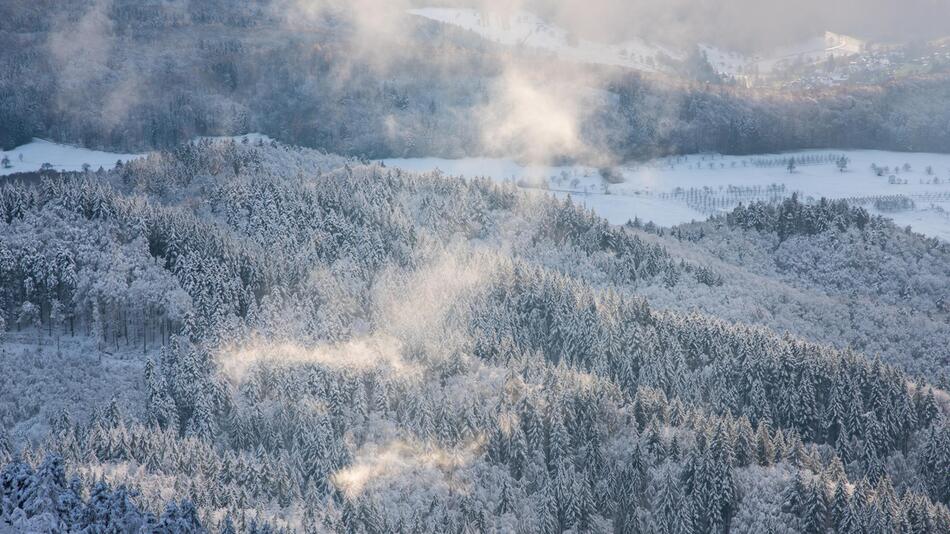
(678, 190)
(32, 156)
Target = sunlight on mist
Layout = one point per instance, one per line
(360, 354)
(410, 309)
(428, 466)
(535, 121)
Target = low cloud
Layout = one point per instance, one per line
(80, 49)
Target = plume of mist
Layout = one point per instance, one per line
(122, 98)
(374, 31)
(531, 111)
(83, 52)
(411, 310)
(414, 306)
(534, 118)
(406, 465)
(80, 49)
(361, 354)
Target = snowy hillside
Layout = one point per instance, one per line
(47, 372)
(587, 320)
(810, 51)
(526, 30)
(312, 344)
(678, 190)
(523, 29)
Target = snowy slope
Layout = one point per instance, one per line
(526, 30)
(44, 373)
(523, 29)
(810, 51)
(31, 156)
(677, 190)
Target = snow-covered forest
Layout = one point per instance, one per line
(474, 266)
(299, 342)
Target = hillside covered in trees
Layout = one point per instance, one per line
(313, 344)
(130, 75)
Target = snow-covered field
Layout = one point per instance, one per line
(666, 191)
(523, 29)
(31, 157)
(677, 190)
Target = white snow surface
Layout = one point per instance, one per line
(31, 156)
(526, 30)
(673, 191)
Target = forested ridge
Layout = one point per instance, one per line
(135, 76)
(333, 346)
(861, 281)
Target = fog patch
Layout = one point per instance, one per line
(361, 354)
(406, 466)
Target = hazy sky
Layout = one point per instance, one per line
(740, 23)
